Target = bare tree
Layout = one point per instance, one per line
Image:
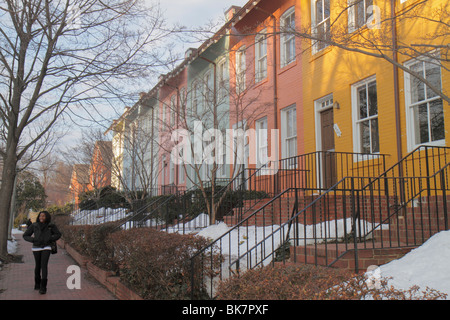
(57, 55)
(211, 101)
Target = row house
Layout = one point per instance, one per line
(93, 176)
(343, 108)
(335, 88)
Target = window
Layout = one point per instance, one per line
(222, 78)
(424, 107)
(321, 19)
(289, 132)
(287, 23)
(365, 115)
(163, 113)
(181, 173)
(173, 110)
(195, 98)
(262, 155)
(261, 56)
(171, 172)
(240, 70)
(183, 102)
(208, 92)
(358, 13)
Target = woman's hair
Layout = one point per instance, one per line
(48, 217)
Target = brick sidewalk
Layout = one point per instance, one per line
(17, 279)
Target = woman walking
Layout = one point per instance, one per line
(44, 234)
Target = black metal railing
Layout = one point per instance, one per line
(350, 215)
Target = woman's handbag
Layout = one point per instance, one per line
(54, 247)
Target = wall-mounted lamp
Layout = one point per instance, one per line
(336, 105)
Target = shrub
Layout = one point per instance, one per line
(156, 264)
(307, 282)
(280, 283)
(77, 237)
(91, 241)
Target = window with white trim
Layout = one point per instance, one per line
(359, 12)
(365, 115)
(222, 79)
(208, 92)
(289, 132)
(173, 110)
(261, 56)
(287, 45)
(240, 70)
(181, 173)
(196, 99)
(183, 102)
(171, 172)
(321, 23)
(424, 107)
(262, 155)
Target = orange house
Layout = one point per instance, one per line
(79, 182)
(100, 168)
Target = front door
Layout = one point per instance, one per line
(328, 157)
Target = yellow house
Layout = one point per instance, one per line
(358, 93)
(118, 128)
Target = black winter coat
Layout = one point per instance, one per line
(44, 234)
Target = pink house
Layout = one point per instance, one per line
(172, 104)
(265, 72)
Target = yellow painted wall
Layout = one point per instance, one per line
(335, 70)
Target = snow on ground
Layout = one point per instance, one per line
(425, 266)
(99, 216)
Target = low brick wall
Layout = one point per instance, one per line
(106, 278)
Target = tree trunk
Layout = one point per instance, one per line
(6, 192)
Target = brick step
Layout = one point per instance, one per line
(370, 253)
(279, 211)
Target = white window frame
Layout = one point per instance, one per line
(222, 79)
(261, 56)
(183, 103)
(208, 95)
(171, 172)
(240, 70)
(411, 124)
(287, 39)
(288, 120)
(353, 14)
(356, 116)
(319, 23)
(181, 173)
(173, 110)
(262, 142)
(195, 97)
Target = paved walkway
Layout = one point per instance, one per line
(17, 279)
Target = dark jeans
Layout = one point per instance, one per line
(41, 259)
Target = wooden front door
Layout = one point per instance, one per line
(328, 168)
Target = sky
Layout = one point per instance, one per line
(197, 12)
(188, 13)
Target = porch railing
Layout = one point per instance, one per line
(355, 213)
